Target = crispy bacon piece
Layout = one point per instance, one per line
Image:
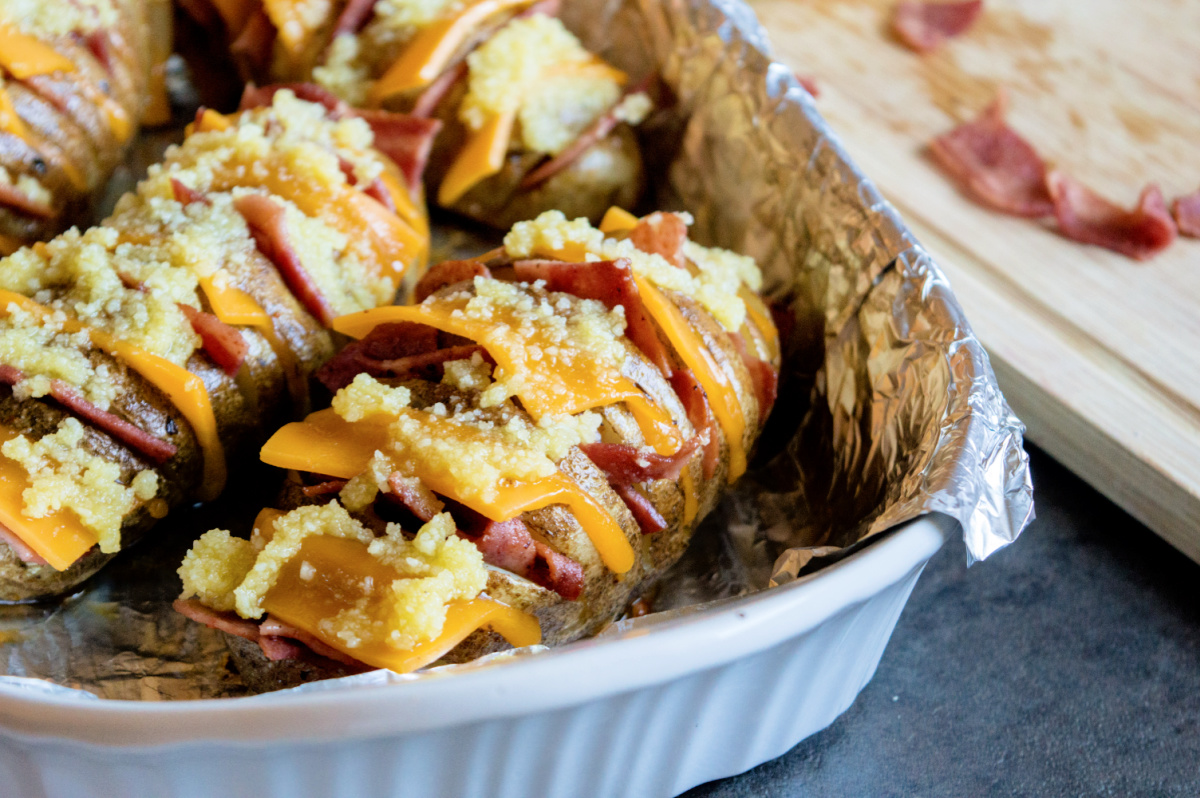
(100, 44)
(418, 499)
(404, 138)
(507, 545)
(353, 17)
(399, 350)
(436, 91)
(994, 165)
(1085, 216)
(446, 273)
(251, 48)
(762, 374)
(184, 194)
(625, 464)
(610, 282)
(277, 648)
(661, 234)
(557, 572)
(20, 547)
(224, 344)
(155, 449)
(323, 488)
(277, 634)
(924, 27)
(605, 124)
(644, 512)
(1186, 211)
(695, 402)
(376, 190)
(214, 619)
(268, 224)
(18, 200)
(407, 140)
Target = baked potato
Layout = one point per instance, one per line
(141, 356)
(510, 461)
(532, 120)
(77, 80)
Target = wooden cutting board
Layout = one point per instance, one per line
(1098, 354)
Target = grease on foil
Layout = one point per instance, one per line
(889, 409)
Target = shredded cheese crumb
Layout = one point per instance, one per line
(63, 476)
(214, 566)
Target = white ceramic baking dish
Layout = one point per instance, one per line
(640, 713)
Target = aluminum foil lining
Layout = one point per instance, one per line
(889, 408)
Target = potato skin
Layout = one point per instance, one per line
(605, 595)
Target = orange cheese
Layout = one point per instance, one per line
(60, 538)
(389, 241)
(185, 390)
(324, 443)
(427, 55)
(758, 315)
(25, 56)
(690, 505)
(158, 103)
(209, 120)
(118, 118)
(349, 574)
(695, 355)
(289, 20)
(481, 157)
(617, 219)
(10, 121)
(569, 382)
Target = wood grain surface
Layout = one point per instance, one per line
(1098, 354)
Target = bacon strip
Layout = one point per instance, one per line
(610, 282)
(251, 49)
(1186, 211)
(280, 634)
(605, 124)
(185, 195)
(994, 165)
(323, 488)
(224, 344)
(13, 198)
(446, 273)
(353, 17)
(762, 375)
(661, 234)
(404, 138)
(926, 26)
(625, 464)
(418, 499)
(268, 225)
(1085, 216)
(695, 402)
(507, 545)
(155, 449)
(20, 547)
(557, 572)
(644, 512)
(398, 351)
(224, 621)
(435, 92)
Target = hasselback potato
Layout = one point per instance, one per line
(141, 356)
(78, 78)
(552, 420)
(533, 121)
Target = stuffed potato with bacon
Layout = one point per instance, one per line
(509, 461)
(139, 357)
(532, 120)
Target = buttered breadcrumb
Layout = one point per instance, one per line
(719, 272)
(433, 569)
(62, 475)
(39, 18)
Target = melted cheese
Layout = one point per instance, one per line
(758, 315)
(424, 58)
(59, 538)
(617, 219)
(184, 389)
(25, 56)
(482, 157)
(712, 378)
(10, 120)
(690, 505)
(553, 375)
(350, 577)
(324, 443)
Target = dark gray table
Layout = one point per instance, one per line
(1067, 664)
